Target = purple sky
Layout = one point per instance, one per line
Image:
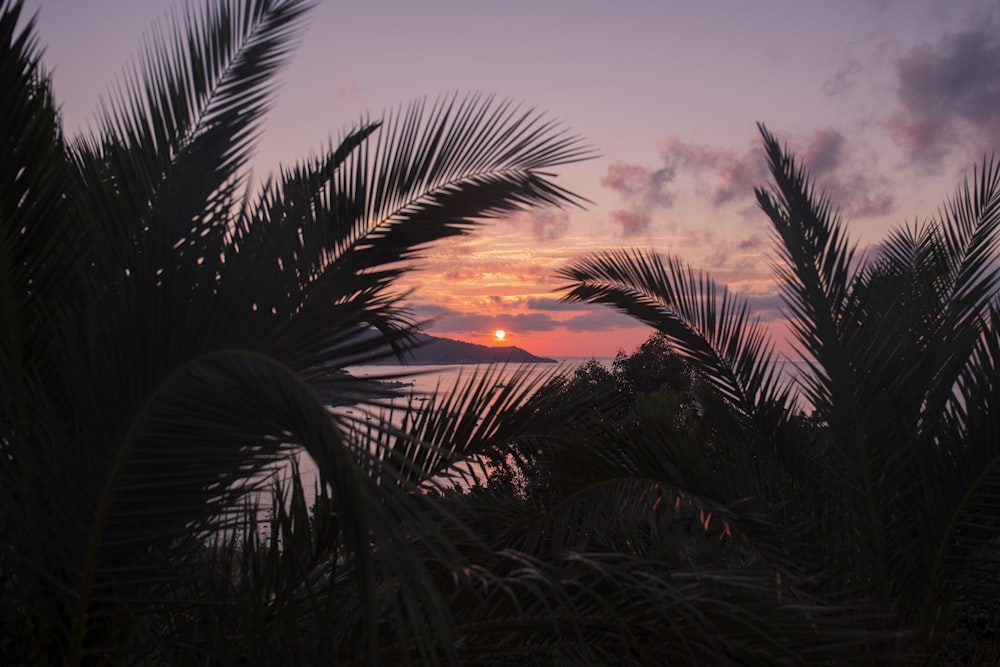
(891, 102)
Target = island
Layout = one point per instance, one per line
(433, 351)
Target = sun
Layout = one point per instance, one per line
(500, 334)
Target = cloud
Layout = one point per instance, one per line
(873, 205)
(737, 175)
(755, 242)
(923, 139)
(525, 316)
(724, 256)
(646, 190)
(843, 80)
(557, 305)
(766, 307)
(546, 224)
(636, 182)
(824, 151)
(632, 222)
(728, 177)
(949, 94)
(846, 172)
(603, 319)
(468, 268)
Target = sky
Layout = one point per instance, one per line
(890, 103)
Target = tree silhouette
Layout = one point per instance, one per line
(895, 503)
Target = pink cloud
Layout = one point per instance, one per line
(737, 176)
(634, 181)
(646, 190)
(727, 177)
(632, 223)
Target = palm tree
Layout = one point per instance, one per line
(895, 504)
(170, 330)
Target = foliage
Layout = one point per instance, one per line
(170, 330)
(653, 380)
(651, 367)
(893, 500)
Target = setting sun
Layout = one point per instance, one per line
(500, 334)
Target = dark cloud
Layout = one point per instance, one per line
(824, 151)
(949, 94)
(734, 174)
(859, 194)
(766, 307)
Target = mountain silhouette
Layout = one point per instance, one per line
(434, 350)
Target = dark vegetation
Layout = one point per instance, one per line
(169, 330)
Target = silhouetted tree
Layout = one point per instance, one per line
(896, 502)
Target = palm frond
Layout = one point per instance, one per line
(38, 260)
(185, 116)
(712, 328)
(814, 245)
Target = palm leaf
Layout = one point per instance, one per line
(710, 327)
(38, 265)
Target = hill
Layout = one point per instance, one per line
(434, 350)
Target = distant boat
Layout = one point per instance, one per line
(499, 386)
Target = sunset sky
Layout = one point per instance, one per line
(891, 103)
